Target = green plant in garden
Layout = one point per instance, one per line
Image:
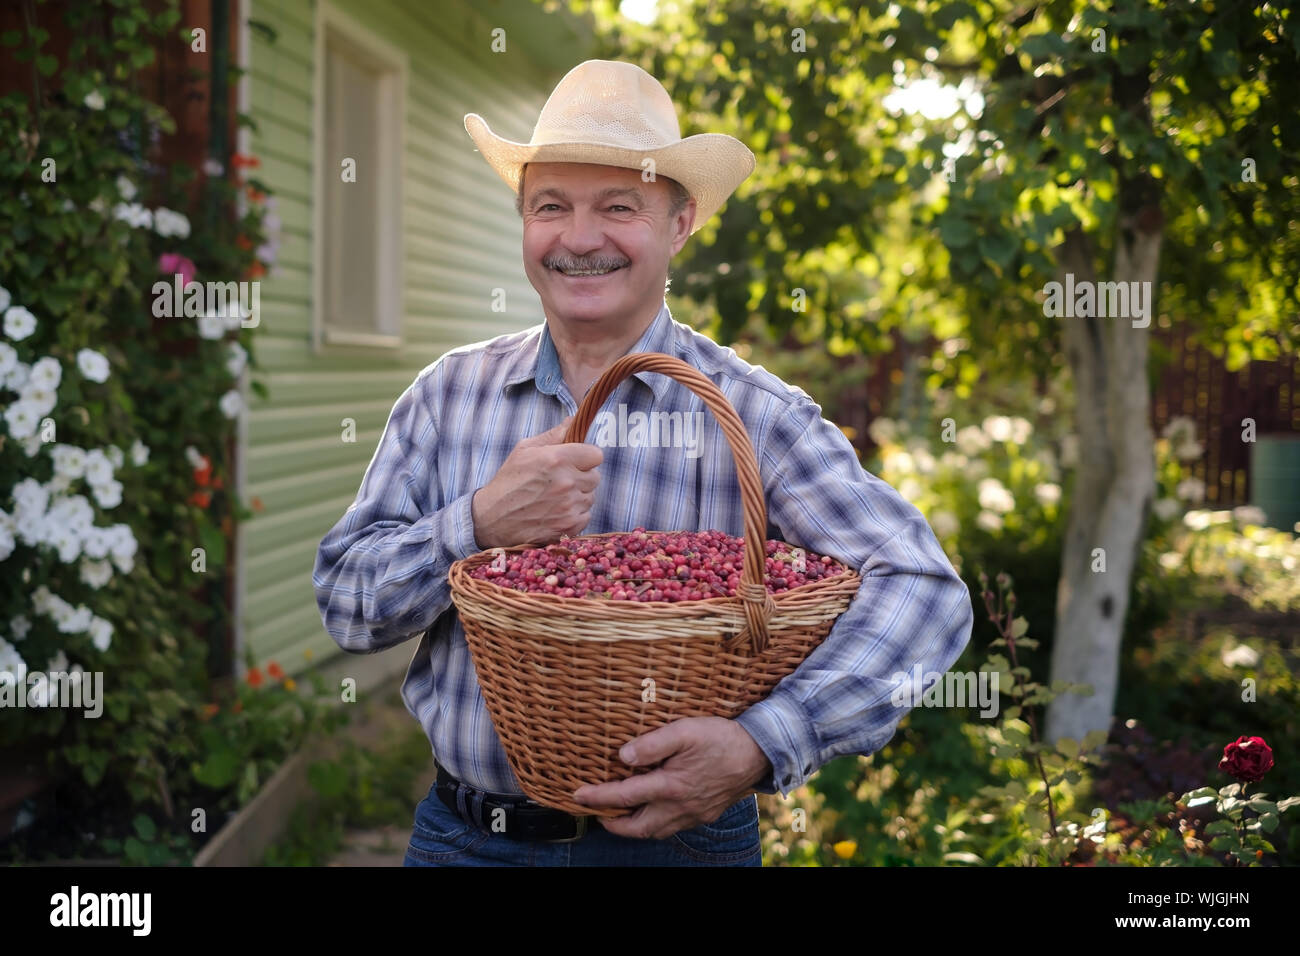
(116, 497)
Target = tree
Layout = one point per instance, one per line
(1140, 142)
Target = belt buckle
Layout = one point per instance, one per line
(582, 831)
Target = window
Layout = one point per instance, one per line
(360, 100)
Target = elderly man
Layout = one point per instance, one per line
(473, 458)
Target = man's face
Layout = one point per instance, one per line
(580, 217)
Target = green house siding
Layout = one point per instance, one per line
(461, 240)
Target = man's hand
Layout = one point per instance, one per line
(706, 765)
(543, 490)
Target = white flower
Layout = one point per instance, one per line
(17, 376)
(972, 440)
(101, 633)
(213, 167)
(13, 669)
(898, 462)
(1197, 520)
(231, 403)
(1243, 655)
(910, 489)
(238, 359)
(6, 521)
(139, 453)
(5, 298)
(994, 496)
(195, 459)
(988, 521)
(882, 430)
(167, 222)
(114, 455)
(94, 100)
(124, 564)
(23, 419)
(8, 359)
(96, 543)
(99, 470)
(1166, 508)
(109, 494)
(7, 543)
(923, 460)
(1189, 451)
(125, 188)
(20, 626)
(77, 621)
(1249, 514)
(96, 573)
(69, 460)
(30, 495)
(1047, 494)
(1170, 560)
(998, 427)
(133, 214)
(122, 541)
(945, 524)
(1180, 430)
(41, 400)
(952, 461)
(212, 326)
(233, 315)
(1020, 430)
(19, 323)
(93, 365)
(32, 445)
(45, 374)
(1191, 489)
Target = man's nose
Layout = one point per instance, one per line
(584, 233)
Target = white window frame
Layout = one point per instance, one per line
(395, 68)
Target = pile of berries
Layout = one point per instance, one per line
(651, 566)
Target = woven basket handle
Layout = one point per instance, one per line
(757, 604)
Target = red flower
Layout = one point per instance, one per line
(257, 504)
(256, 270)
(243, 242)
(254, 677)
(240, 161)
(170, 263)
(274, 670)
(1247, 759)
(200, 498)
(209, 711)
(255, 194)
(203, 476)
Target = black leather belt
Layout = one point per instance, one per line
(516, 817)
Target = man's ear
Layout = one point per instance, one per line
(683, 222)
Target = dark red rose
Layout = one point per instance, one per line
(1247, 759)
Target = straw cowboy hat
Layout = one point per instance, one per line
(617, 114)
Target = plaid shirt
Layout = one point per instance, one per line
(381, 571)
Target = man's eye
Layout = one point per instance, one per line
(628, 208)
(545, 206)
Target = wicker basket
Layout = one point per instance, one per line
(564, 679)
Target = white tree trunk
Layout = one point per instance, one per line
(1114, 483)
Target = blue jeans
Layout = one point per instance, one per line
(441, 838)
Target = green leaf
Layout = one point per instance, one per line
(956, 233)
(145, 827)
(1094, 739)
(11, 37)
(1068, 746)
(1223, 843)
(46, 64)
(219, 770)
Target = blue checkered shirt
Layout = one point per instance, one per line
(381, 571)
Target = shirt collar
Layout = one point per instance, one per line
(538, 360)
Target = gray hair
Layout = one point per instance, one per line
(678, 195)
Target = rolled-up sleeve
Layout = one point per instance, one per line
(381, 571)
(911, 607)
